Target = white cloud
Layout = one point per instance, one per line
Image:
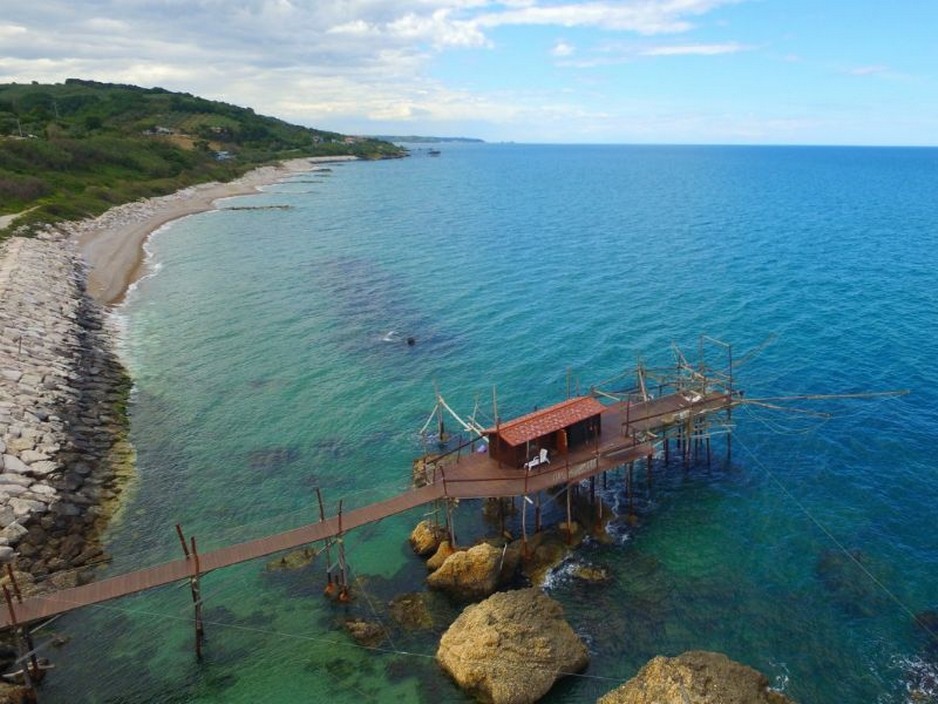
(644, 17)
(9, 31)
(320, 62)
(437, 29)
(562, 50)
(358, 28)
(695, 49)
(869, 71)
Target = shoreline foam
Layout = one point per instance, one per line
(112, 244)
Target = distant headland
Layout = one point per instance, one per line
(415, 139)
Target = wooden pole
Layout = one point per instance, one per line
(341, 544)
(182, 541)
(322, 519)
(196, 587)
(688, 436)
(450, 523)
(343, 572)
(21, 645)
(628, 484)
(27, 637)
(524, 515)
(698, 439)
(524, 523)
(537, 512)
(569, 517)
(16, 588)
(628, 412)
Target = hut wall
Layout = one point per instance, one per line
(583, 432)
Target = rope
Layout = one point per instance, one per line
(840, 546)
(333, 641)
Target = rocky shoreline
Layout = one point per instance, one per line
(63, 427)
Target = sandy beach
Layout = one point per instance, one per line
(112, 244)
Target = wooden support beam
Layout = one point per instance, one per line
(24, 641)
(330, 588)
(182, 540)
(196, 587)
(537, 513)
(569, 518)
(450, 523)
(524, 526)
(628, 484)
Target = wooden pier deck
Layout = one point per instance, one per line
(467, 475)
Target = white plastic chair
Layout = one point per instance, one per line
(542, 458)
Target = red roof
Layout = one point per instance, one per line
(549, 420)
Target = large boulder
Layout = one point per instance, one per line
(511, 648)
(695, 677)
(469, 575)
(426, 537)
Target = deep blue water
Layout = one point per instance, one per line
(261, 374)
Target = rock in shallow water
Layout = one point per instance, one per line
(426, 537)
(695, 677)
(469, 574)
(511, 648)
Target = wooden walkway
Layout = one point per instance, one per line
(470, 475)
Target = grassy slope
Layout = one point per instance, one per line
(73, 150)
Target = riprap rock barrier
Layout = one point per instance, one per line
(63, 425)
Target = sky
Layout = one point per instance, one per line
(857, 72)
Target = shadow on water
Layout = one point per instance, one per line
(377, 309)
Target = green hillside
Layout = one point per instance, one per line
(75, 149)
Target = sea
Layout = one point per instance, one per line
(268, 347)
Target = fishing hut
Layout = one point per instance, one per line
(530, 440)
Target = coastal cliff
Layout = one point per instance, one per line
(63, 446)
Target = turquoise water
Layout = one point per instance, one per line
(262, 373)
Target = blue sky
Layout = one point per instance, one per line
(604, 71)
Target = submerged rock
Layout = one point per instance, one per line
(411, 611)
(695, 677)
(511, 648)
(293, 560)
(850, 579)
(547, 550)
(594, 574)
(366, 633)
